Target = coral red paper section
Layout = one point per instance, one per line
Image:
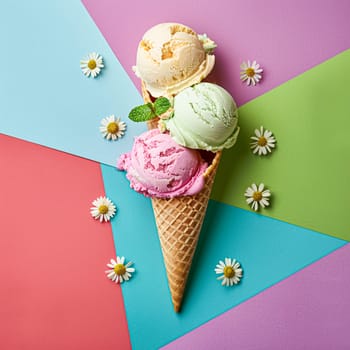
(53, 254)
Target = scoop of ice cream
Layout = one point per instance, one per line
(205, 117)
(171, 57)
(158, 167)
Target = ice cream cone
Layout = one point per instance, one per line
(179, 221)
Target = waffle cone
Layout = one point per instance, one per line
(179, 221)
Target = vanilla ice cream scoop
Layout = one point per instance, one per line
(171, 57)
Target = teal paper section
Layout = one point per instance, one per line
(45, 98)
(269, 251)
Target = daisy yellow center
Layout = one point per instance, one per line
(257, 196)
(262, 141)
(119, 269)
(229, 271)
(92, 64)
(250, 72)
(103, 209)
(112, 128)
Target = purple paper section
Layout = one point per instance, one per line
(286, 38)
(309, 310)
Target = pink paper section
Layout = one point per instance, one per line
(286, 38)
(309, 310)
(54, 293)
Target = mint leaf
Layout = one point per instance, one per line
(142, 113)
(161, 105)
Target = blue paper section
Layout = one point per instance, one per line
(269, 251)
(45, 98)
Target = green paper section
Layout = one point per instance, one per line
(308, 173)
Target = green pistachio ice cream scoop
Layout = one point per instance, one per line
(205, 117)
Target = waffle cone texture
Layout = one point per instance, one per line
(179, 221)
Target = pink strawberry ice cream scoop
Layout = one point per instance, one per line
(158, 167)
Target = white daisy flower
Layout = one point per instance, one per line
(208, 44)
(263, 142)
(119, 272)
(251, 72)
(230, 271)
(103, 209)
(92, 64)
(257, 196)
(112, 128)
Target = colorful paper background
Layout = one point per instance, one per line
(306, 311)
(54, 292)
(46, 98)
(287, 38)
(309, 117)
